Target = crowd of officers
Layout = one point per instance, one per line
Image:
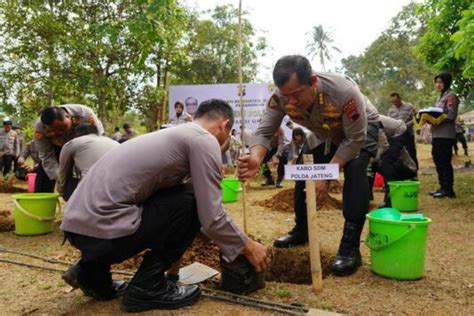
(171, 191)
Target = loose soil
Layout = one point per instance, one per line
(284, 200)
(7, 223)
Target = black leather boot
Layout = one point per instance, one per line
(435, 192)
(149, 289)
(94, 280)
(444, 193)
(294, 238)
(348, 258)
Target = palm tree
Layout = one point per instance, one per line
(320, 45)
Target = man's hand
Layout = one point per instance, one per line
(247, 167)
(322, 188)
(257, 254)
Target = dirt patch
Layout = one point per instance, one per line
(11, 186)
(293, 265)
(7, 223)
(284, 201)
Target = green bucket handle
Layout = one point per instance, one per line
(373, 245)
(240, 189)
(39, 218)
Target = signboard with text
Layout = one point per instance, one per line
(312, 172)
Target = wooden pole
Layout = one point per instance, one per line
(314, 254)
(242, 116)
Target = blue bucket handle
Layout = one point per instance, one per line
(377, 243)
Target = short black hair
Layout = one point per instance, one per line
(214, 109)
(288, 65)
(51, 114)
(85, 129)
(126, 125)
(178, 103)
(7, 122)
(446, 77)
(117, 129)
(289, 123)
(298, 131)
(395, 94)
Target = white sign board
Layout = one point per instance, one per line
(255, 100)
(312, 172)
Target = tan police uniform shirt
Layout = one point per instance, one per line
(449, 102)
(340, 112)
(81, 153)
(31, 151)
(8, 143)
(79, 114)
(392, 127)
(406, 112)
(108, 202)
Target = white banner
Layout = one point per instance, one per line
(328, 171)
(255, 100)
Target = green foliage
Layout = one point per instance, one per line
(282, 292)
(390, 65)
(212, 49)
(447, 41)
(115, 56)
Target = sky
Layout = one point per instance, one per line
(354, 25)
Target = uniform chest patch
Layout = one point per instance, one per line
(351, 111)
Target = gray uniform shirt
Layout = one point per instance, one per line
(8, 143)
(392, 127)
(44, 143)
(108, 202)
(449, 102)
(31, 151)
(81, 152)
(340, 112)
(406, 112)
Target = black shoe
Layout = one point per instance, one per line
(268, 182)
(77, 277)
(278, 185)
(348, 258)
(435, 192)
(149, 289)
(466, 154)
(164, 295)
(347, 264)
(443, 194)
(291, 240)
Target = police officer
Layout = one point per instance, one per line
(279, 148)
(404, 111)
(78, 155)
(8, 147)
(444, 136)
(460, 136)
(29, 151)
(394, 165)
(53, 129)
(346, 130)
(117, 212)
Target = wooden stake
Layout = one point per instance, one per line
(314, 254)
(242, 116)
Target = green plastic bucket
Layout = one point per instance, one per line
(397, 247)
(404, 195)
(34, 212)
(230, 189)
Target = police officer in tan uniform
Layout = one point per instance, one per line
(401, 110)
(53, 129)
(8, 147)
(444, 136)
(346, 129)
